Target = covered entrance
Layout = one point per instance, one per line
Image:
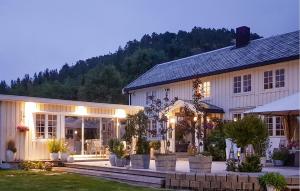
(183, 123)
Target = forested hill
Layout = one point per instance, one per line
(101, 79)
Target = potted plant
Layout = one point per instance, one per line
(64, 151)
(154, 146)
(54, 147)
(11, 151)
(158, 111)
(280, 156)
(200, 162)
(112, 156)
(273, 181)
(119, 153)
(137, 129)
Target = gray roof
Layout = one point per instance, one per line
(207, 107)
(258, 52)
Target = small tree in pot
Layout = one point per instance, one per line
(112, 156)
(273, 181)
(158, 110)
(11, 151)
(137, 129)
(154, 146)
(119, 152)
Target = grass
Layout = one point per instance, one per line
(19, 180)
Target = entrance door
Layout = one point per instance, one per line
(91, 136)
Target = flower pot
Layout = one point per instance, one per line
(263, 161)
(10, 156)
(165, 162)
(140, 161)
(54, 156)
(153, 153)
(200, 163)
(120, 162)
(278, 162)
(64, 156)
(112, 159)
(271, 188)
(70, 159)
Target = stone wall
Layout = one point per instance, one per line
(210, 181)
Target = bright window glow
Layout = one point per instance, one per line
(204, 89)
(120, 113)
(172, 120)
(81, 110)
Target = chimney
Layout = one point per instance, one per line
(242, 36)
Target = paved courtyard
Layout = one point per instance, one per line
(217, 167)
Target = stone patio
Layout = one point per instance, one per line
(217, 167)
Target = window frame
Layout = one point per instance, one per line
(268, 80)
(279, 78)
(46, 126)
(247, 83)
(272, 122)
(237, 84)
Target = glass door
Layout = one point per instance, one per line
(73, 134)
(92, 136)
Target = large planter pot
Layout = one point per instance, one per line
(64, 156)
(70, 159)
(165, 162)
(153, 153)
(278, 162)
(263, 161)
(120, 162)
(54, 156)
(271, 188)
(10, 156)
(112, 159)
(200, 163)
(140, 161)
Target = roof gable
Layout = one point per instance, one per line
(257, 53)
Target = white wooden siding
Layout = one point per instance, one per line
(222, 89)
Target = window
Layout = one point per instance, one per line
(247, 83)
(279, 127)
(45, 126)
(206, 89)
(237, 116)
(148, 94)
(279, 78)
(268, 80)
(237, 84)
(274, 124)
(269, 122)
(152, 126)
(52, 124)
(40, 126)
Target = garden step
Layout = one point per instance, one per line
(122, 177)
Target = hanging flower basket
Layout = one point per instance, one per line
(22, 128)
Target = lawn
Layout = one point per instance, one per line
(32, 181)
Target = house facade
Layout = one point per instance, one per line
(236, 78)
(85, 127)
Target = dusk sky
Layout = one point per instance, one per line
(35, 35)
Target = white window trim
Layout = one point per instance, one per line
(46, 126)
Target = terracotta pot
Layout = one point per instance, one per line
(10, 156)
(54, 156)
(140, 161)
(165, 162)
(112, 159)
(200, 163)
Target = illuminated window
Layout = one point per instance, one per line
(237, 116)
(279, 78)
(204, 89)
(237, 84)
(268, 80)
(45, 126)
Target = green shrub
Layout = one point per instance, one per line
(112, 144)
(273, 179)
(281, 154)
(142, 147)
(11, 146)
(119, 149)
(231, 165)
(63, 147)
(155, 145)
(251, 164)
(54, 146)
(27, 165)
(216, 142)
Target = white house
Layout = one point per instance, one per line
(85, 126)
(236, 79)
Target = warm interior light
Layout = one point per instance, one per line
(120, 113)
(235, 119)
(208, 119)
(30, 107)
(80, 110)
(195, 118)
(75, 132)
(172, 120)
